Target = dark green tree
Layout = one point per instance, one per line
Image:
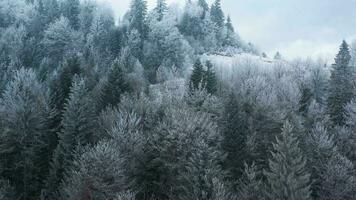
(115, 86)
(137, 17)
(71, 10)
(235, 128)
(197, 77)
(340, 85)
(79, 125)
(204, 6)
(24, 134)
(287, 175)
(160, 9)
(210, 79)
(216, 14)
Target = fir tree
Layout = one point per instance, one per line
(71, 10)
(24, 134)
(204, 6)
(115, 86)
(78, 130)
(340, 86)
(278, 56)
(160, 9)
(250, 187)
(287, 176)
(196, 79)
(210, 79)
(138, 14)
(235, 128)
(216, 14)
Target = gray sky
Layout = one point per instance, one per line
(296, 28)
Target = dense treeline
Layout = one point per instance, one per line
(151, 108)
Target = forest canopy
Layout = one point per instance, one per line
(166, 104)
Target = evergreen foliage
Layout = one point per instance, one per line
(287, 175)
(341, 89)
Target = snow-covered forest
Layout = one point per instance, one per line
(166, 104)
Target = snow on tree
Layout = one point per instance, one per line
(338, 180)
(71, 10)
(341, 88)
(24, 112)
(216, 14)
(79, 125)
(250, 186)
(96, 174)
(60, 39)
(287, 175)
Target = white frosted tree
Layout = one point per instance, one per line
(60, 39)
(287, 175)
(24, 112)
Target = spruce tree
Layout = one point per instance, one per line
(197, 77)
(278, 56)
(216, 14)
(210, 79)
(204, 6)
(235, 129)
(250, 186)
(79, 125)
(115, 86)
(24, 112)
(340, 85)
(230, 39)
(138, 14)
(160, 9)
(287, 176)
(71, 10)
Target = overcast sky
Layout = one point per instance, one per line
(296, 28)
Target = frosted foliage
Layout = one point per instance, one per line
(12, 42)
(60, 38)
(15, 12)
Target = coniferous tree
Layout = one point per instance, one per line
(278, 56)
(115, 86)
(204, 6)
(79, 125)
(235, 128)
(250, 186)
(197, 77)
(287, 176)
(137, 17)
(71, 10)
(340, 85)
(96, 174)
(210, 79)
(160, 9)
(230, 38)
(24, 134)
(216, 14)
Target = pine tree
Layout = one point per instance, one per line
(115, 86)
(210, 79)
(160, 9)
(340, 85)
(216, 14)
(24, 134)
(79, 124)
(287, 176)
(196, 79)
